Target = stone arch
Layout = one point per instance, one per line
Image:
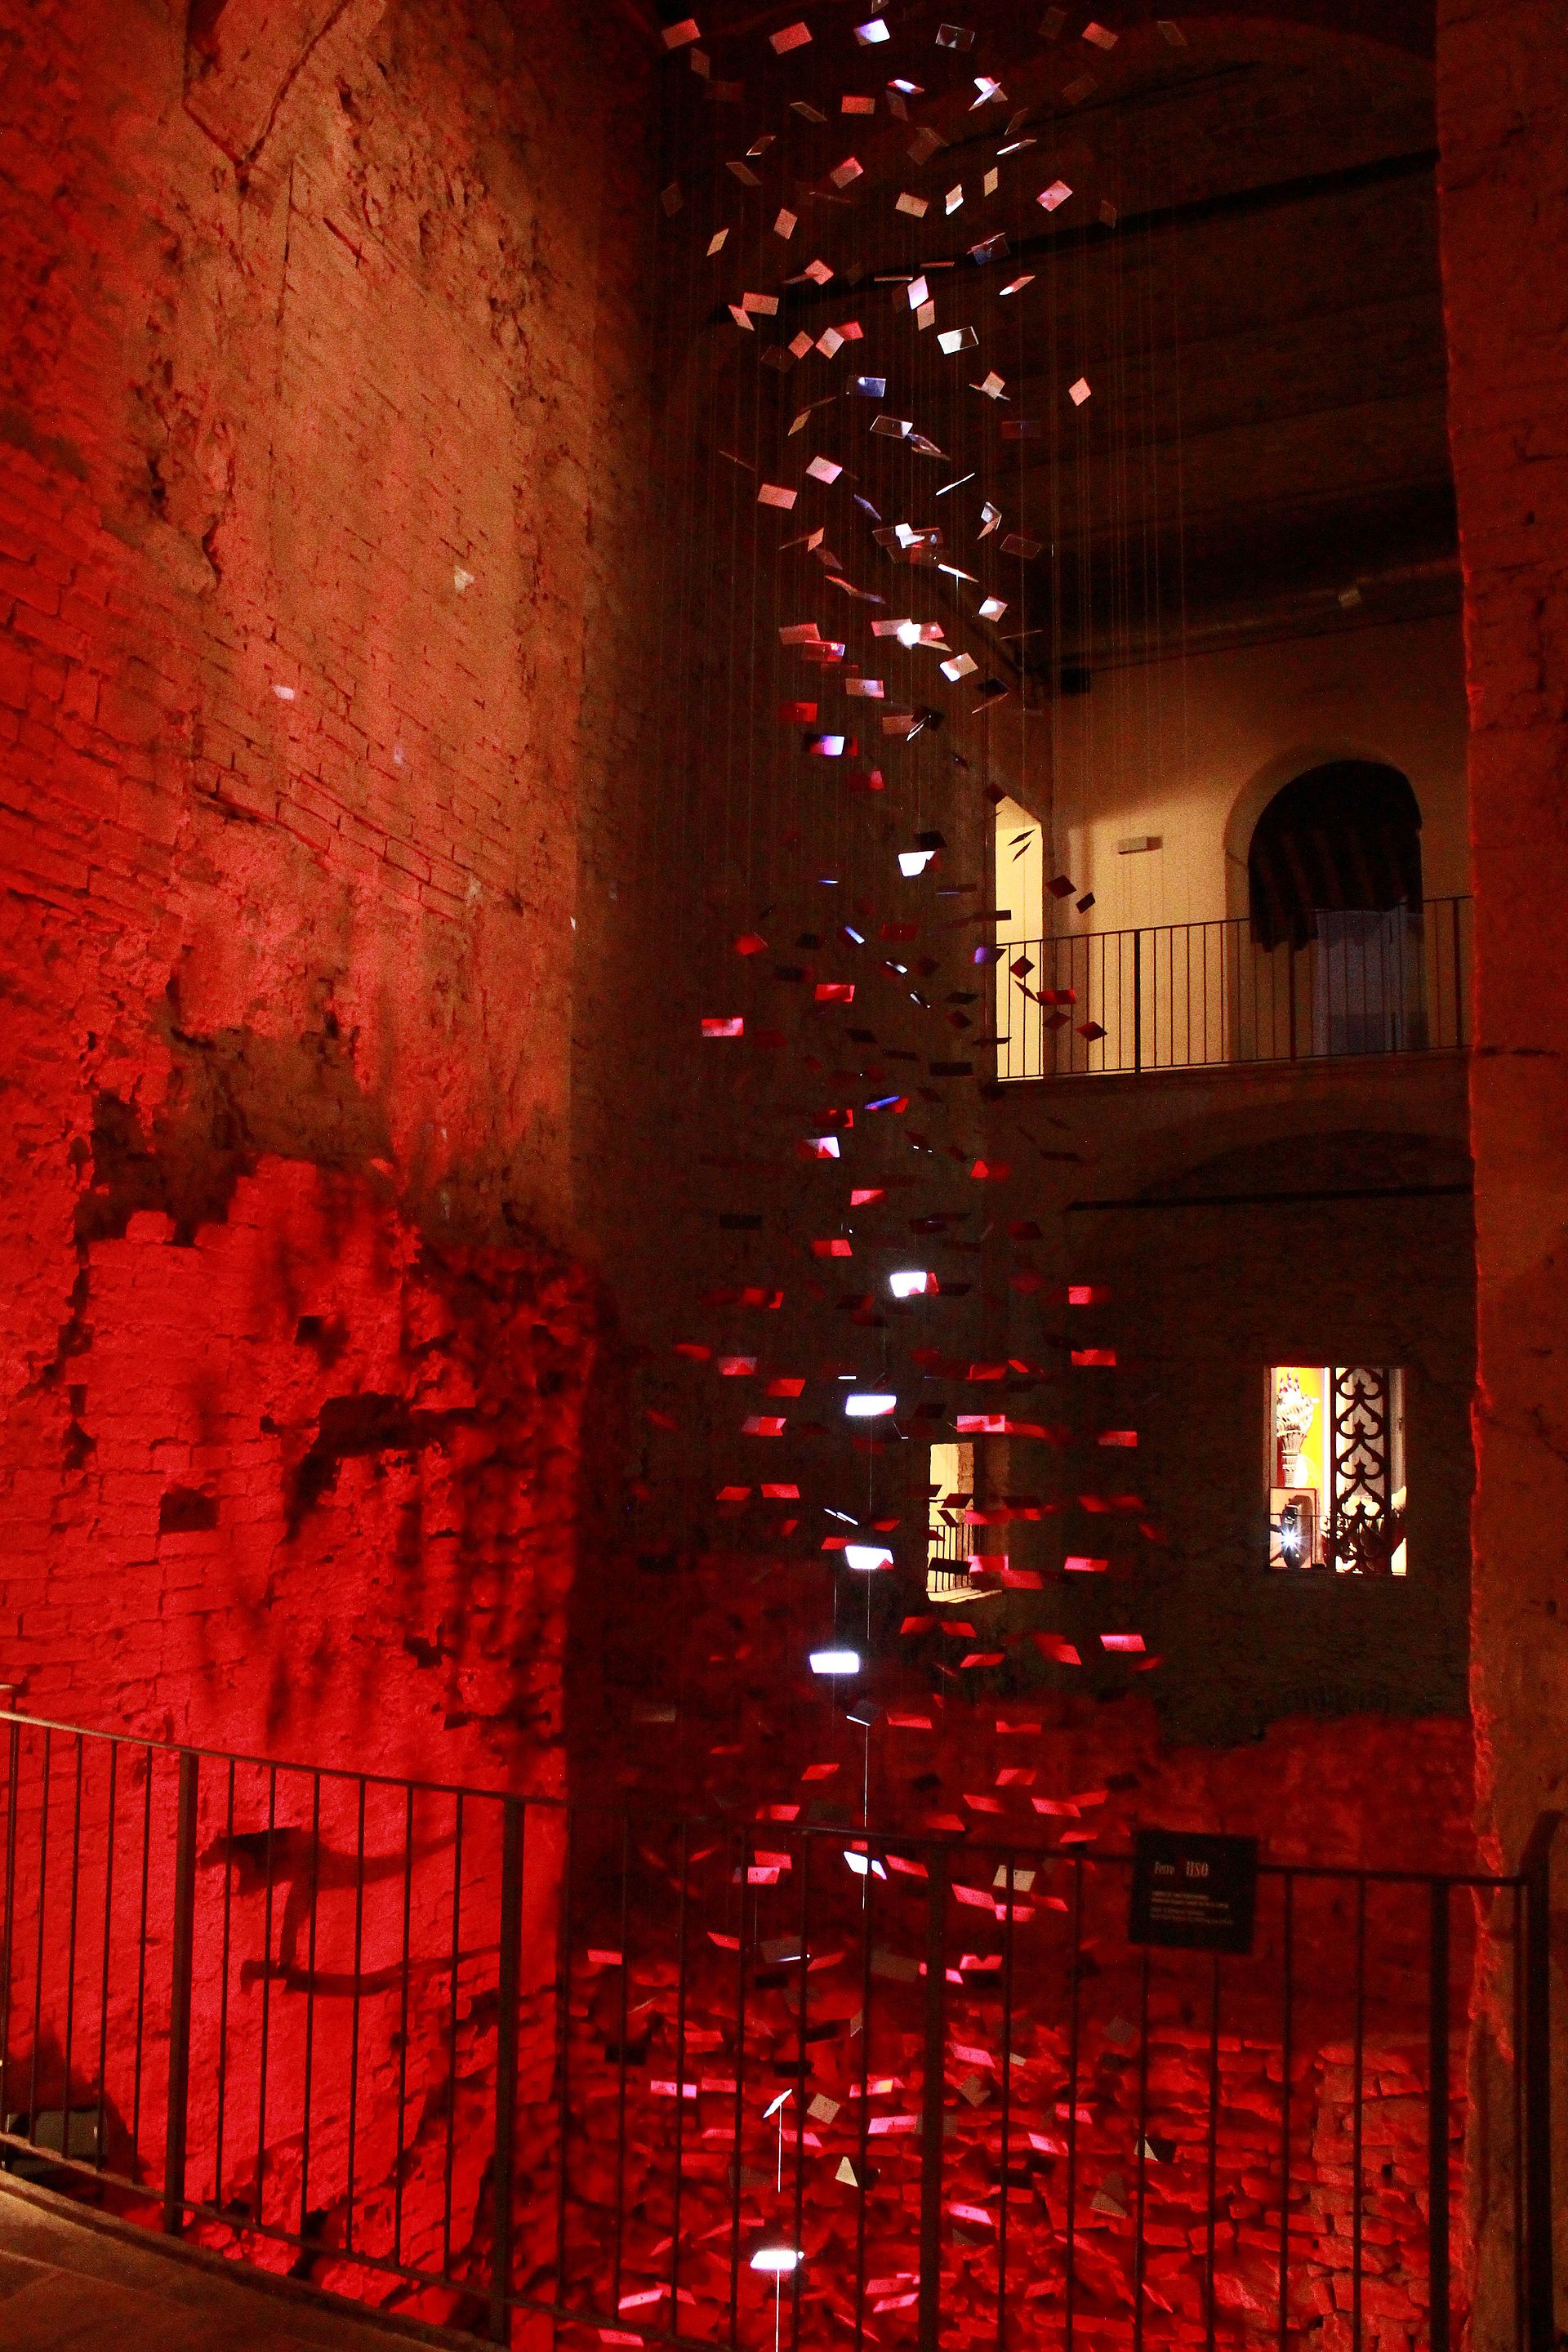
(1268, 783)
(1343, 836)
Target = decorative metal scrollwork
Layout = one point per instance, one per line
(1366, 1530)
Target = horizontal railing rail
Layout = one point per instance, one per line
(1182, 996)
(950, 1538)
(949, 1550)
(511, 2062)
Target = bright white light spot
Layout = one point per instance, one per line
(864, 1406)
(835, 1662)
(912, 1284)
(914, 861)
(909, 633)
(867, 1557)
(776, 2259)
(870, 35)
(864, 1863)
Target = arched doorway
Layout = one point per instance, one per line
(1334, 873)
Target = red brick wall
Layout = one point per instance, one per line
(1502, 82)
(313, 538)
(322, 436)
(306, 1456)
(1504, 74)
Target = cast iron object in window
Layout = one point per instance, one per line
(1367, 1528)
(1336, 1469)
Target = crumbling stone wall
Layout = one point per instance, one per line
(314, 562)
(1502, 79)
(1505, 177)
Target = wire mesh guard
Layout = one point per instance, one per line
(509, 2064)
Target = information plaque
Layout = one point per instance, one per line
(1194, 1892)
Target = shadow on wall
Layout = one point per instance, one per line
(310, 1483)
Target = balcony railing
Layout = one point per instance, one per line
(951, 1545)
(545, 2070)
(1184, 997)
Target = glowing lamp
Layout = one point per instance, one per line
(865, 1864)
(777, 2260)
(864, 1406)
(835, 1662)
(865, 1558)
(869, 34)
(913, 1284)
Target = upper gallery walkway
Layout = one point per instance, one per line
(1190, 996)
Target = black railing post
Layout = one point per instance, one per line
(1458, 980)
(933, 2110)
(1535, 1869)
(1138, 1003)
(508, 2014)
(8, 1926)
(184, 1942)
(1437, 2115)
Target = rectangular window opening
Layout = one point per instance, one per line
(1025, 963)
(1335, 1472)
(951, 1539)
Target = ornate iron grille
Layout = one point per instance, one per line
(1365, 1527)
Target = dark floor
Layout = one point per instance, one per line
(66, 2287)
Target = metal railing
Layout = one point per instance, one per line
(522, 2064)
(950, 1538)
(1181, 996)
(949, 1548)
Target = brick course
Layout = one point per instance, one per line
(305, 499)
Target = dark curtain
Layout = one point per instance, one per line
(1345, 835)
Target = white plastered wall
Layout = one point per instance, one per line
(1193, 752)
